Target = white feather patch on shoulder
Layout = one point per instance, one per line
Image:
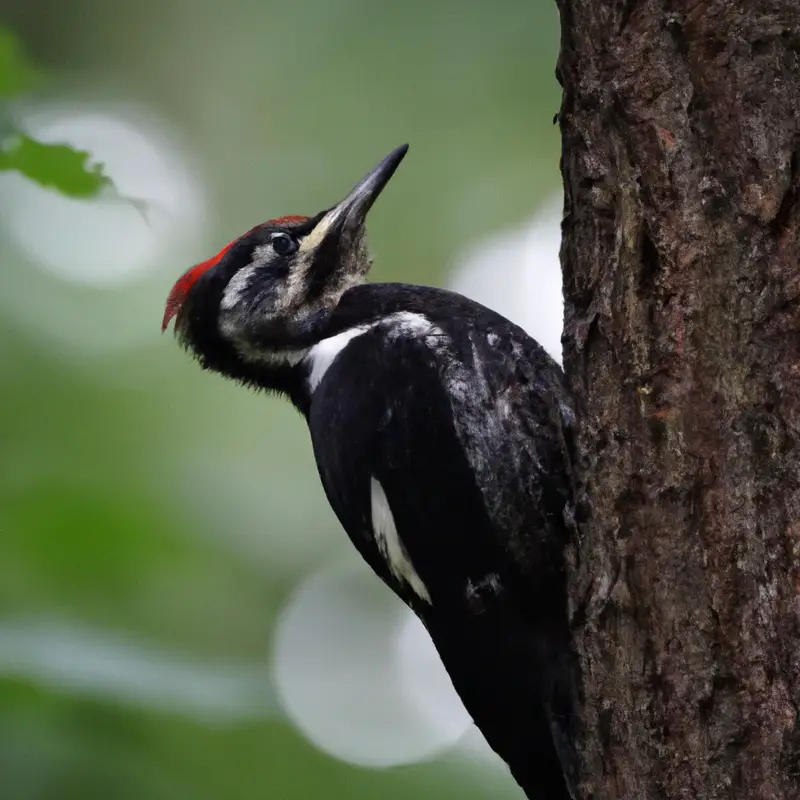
(324, 353)
(389, 544)
(400, 324)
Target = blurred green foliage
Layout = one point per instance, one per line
(58, 166)
(141, 495)
(17, 73)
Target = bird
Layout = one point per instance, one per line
(442, 434)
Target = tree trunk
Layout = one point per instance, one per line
(681, 254)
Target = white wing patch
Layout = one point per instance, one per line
(389, 543)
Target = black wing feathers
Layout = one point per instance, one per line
(370, 419)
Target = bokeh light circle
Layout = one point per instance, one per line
(155, 208)
(358, 675)
(517, 273)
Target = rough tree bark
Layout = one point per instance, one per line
(681, 258)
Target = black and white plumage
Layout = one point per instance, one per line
(441, 433)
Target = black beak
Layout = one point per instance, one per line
(352, 211)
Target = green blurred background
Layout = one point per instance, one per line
(154, 520)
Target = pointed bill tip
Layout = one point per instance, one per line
(353, 209)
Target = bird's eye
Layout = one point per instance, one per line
(283, 244)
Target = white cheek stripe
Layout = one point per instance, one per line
(237, 286)
(262, 256)
(389, 543)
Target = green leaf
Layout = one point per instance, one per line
(53, 165)
(17, 74)
(56, 166)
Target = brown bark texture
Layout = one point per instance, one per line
(681, 258)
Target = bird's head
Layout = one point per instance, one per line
(263, 296)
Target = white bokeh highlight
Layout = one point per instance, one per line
(157, 208)
(358, 675)
(517, 273)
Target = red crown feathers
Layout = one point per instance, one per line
(180, 291)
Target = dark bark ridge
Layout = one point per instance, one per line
(681, 259)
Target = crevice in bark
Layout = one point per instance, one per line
(789, 199)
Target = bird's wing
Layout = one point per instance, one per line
(394, 470)
(466, 448)
(407, 462)
(515, 424)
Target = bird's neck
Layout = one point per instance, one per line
(295, 362)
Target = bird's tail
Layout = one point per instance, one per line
(518, 684)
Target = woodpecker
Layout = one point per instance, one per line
(441, 432)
